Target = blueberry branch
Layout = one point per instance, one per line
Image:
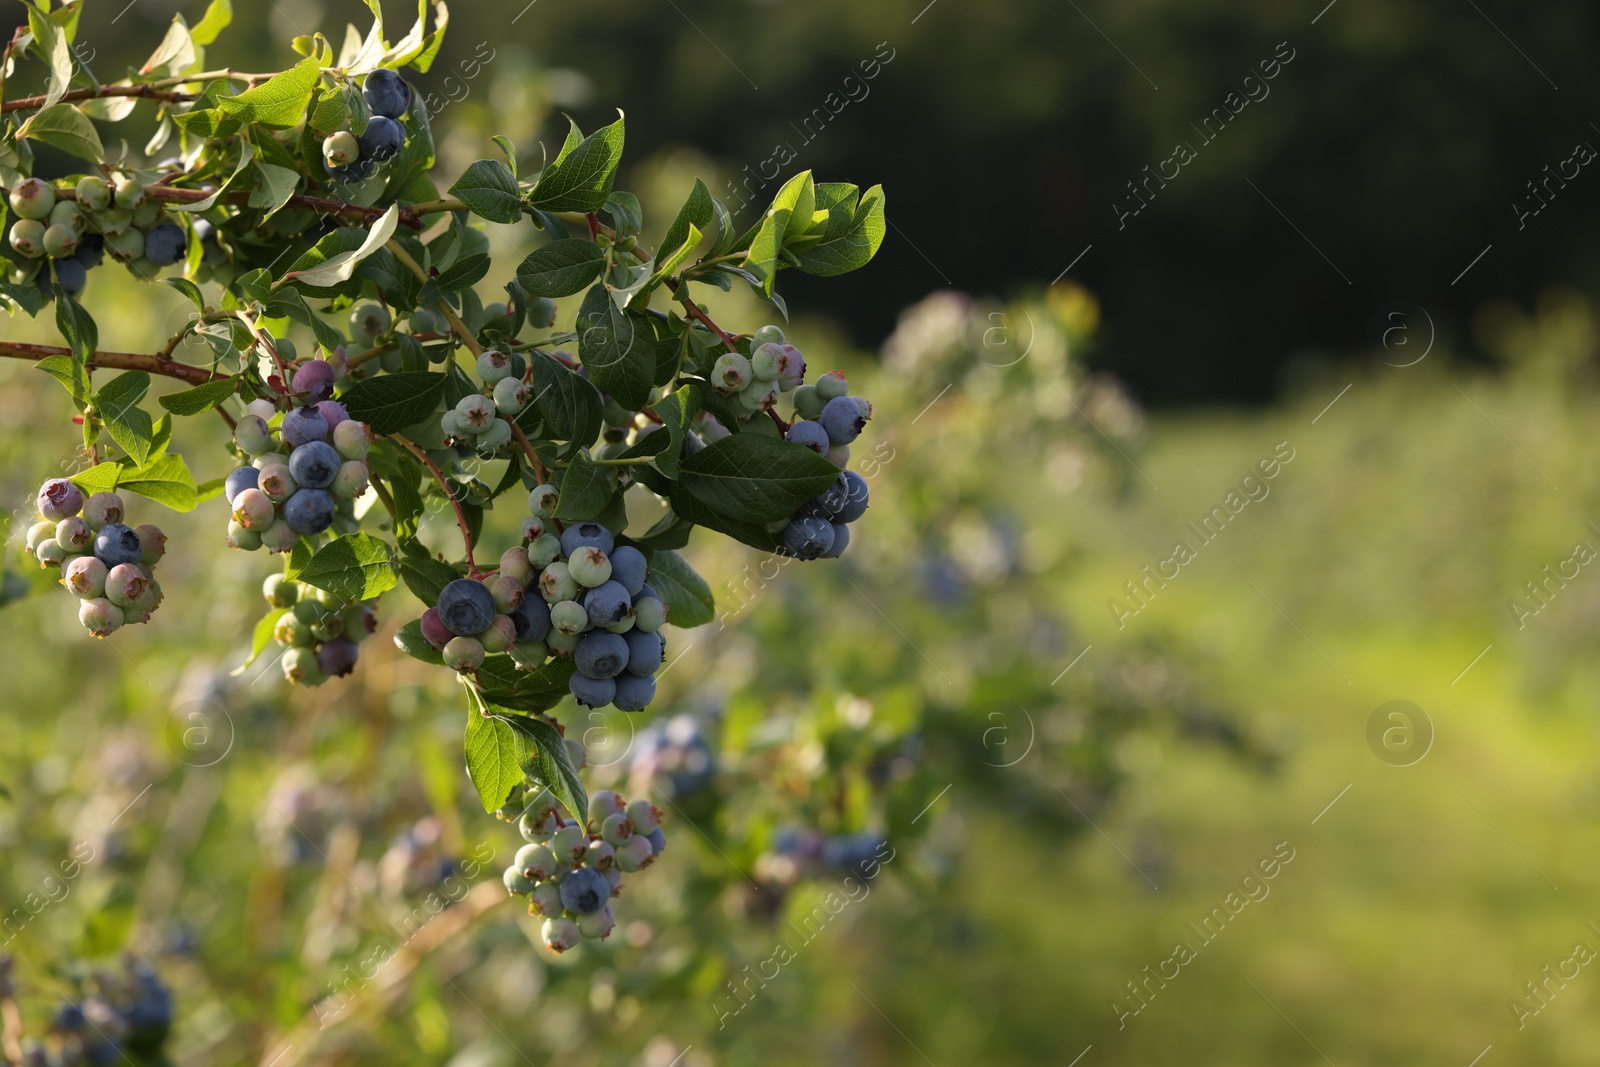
(438, 476)
(321, 205)
(150, 362)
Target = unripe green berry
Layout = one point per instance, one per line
(352, 439)
(560, 934)
(292, 631)
(731, 372)
(493, 366)
(543, 550)
(597, 924)
(602, 855)
(85, 577)
(114, 221)
(649, 614)
(94, 193)
(38, 532)
(541, 313)
(300, 666)
(569, 617)
(60, 241)
(516, 882)
(508, 591)
(546, 901)
(254, 509)
(102, 508)
(494, 437)
(463, 654)
(280, 537)
(351, 481)
(645, 816)
(570, 844)
(280, 590)
(369, 321)
(125, 584)
(511, 395)
(807, 402)
(100, 617)
(128, 194)
(535, 861)
(341, 149)
(152, 541)
(73, 534)
(543, 500)
(589, 567)
(242, 537)
(66, 213)
(147, 215)
(767, 335)
(276, 481)
(604, 803)
(766, 361)
(501, 634)
(514, 564)
(50, 553)
(126, 245)
(561, 644)
(617, 829)
(32, 198)
(556, 583)
(27, 237)
(627, 623)
(832, 385)
(635, 854)
(253, 437)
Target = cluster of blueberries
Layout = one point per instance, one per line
(806, 853)
(577, 595)
(320, 631)
(119, 1014)
(482, 421)
(352, 158)
(75, 232)
(569, 871)
(827, 420)
(755, 382)
(106, 564)
(283, 496)
(673, 758)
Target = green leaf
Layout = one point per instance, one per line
(569, 405)
(280, 101)
(51, 42)
(617, 349)
(561, 267)
(762, 257)
(490, 189)
(585, 490)
(218, 16)
(260, 638)
(551, 764)
(409, 639)
(190, 290)
(627, 217)
(391, 402)
(26, 297)
(338, 266)
(66, 128)
(199, 399)
(333, 107)
(100, 478)
(494, 758)
(129, 425)
(430, 47)
(696, 213)
(510, 686)
(69, 373)
(854, 232)
(274, 186)
(426, 577)
(686, 594)
(83, 336)
(799, 197)
(246, 154)
(166, 480)
(581, 178)
(463, 273)
(175, 50)
(356, 567)
(677, 412)
(754, 478)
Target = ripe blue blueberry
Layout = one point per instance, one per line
(658, 840)
(387, 93)
(633, 692)
(382, 139)
(833, 499)
(71, 275)
(116, 543)
(628, 567)
(532, 619)
(466, 607)
(844, 417)
(592, 692)
(645, 650)
(601, 655)
(581, 534)
(608, 604)
(855, 498)
(303, 425)
(585, 891)
(314, 465)
(841, 541)
(335, 413)
(240, 480)
(808, 537)
(810, 434)
(309, 511)
(164, 243)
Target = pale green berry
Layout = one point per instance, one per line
(341, 149)
(645, 816)
(114, 221)
(516, 882)
(556, 583)
(291, 630)
(570, 844)
(73, 534)
(463, 654)
(627, 623)
(280, 590)
(511, 396)
(589, 567)
(252, 436)
(66, 213)
(807, 403)
(500, 635)
(560, 934)
(766, 361)
(493, 366)
(597, 924)
(514, 564)
(351, 481)
(50, 553)
(32, 198)
(125, 584)
(536, 861)
(242, 537)
(617, 830)
(508, 591)
(635, 854)
(147, 215)
(650, 614)
(543, 500)
(544, 549)
(280, 537)
(60, 241)
(38, 532)
(94, 193)
(562, 644)
(352, 439)
(85, 577)
(767, 335)
(100, 617)
(546, 901)
(477, 410)
(569, 617)
(276, 481)
(495, 437)
(129, 193)
(27, 237)
(602, 855)
(300, 666)
(731, 372)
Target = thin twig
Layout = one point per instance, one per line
(438, 476)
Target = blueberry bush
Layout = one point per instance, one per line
(364, 380)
